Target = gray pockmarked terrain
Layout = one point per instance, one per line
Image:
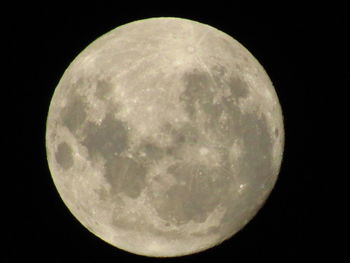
(164, 137)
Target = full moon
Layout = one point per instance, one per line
(164, 137)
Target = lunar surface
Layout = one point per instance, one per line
(164, 137)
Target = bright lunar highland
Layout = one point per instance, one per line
(164, 137)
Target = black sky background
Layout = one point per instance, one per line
(299, 48)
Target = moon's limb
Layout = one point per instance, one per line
(164, 137)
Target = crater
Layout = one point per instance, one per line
(74, 113)
(64, 156)
(227, 47)
(218, 71)
(186, 134)
(125, 175)
(107, 139)
(123, 221)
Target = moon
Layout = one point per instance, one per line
(164, 137)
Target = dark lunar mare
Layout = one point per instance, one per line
(107, 140)
(197, 194)
(64, 156)
(200, 195)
